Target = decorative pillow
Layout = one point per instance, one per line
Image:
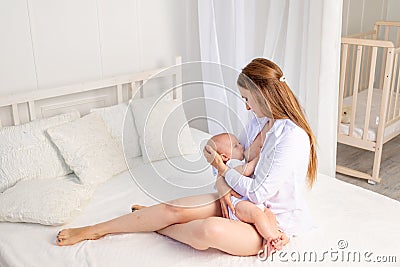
(26, 151)
(163, 129)
(88, 149)
(120, 125)
(48, 201)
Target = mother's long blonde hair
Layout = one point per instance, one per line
(266, 83)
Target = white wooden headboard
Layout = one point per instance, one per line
(24, 107)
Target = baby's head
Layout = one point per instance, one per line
(228, 146)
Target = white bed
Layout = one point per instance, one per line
(367, 221)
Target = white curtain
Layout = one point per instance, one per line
(301, 36)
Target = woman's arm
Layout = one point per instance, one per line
(225, 192)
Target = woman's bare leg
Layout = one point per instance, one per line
(233, 237)
(146, 220)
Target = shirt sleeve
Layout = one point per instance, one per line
(276, 166)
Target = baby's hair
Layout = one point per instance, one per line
(214, 140)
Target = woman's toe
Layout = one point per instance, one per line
(61, 234)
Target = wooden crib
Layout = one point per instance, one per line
(369, 101)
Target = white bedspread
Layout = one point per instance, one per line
(366, 221)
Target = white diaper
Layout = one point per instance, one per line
(236, 200)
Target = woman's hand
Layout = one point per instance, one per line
(215, 159)
(225, 193)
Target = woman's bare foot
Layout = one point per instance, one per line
(137, 207)
(72, 236)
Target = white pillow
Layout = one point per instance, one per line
(26, 151)
(120, 125)
(48, 201)
(89, 149)
(163, 129)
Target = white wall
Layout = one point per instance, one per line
(360, 15)
(50, 43)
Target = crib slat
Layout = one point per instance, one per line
(348, 70)
(15, 113)
(382, 112)
(385, 51)
(343, 76)
(352, 67)
(355, 89)
(386, 90)
(119, 94)
(370, 91)
(32, 113)
(397, 91)
(362, 75)
(398, 37)
(392, 90)
(381, 77)
(368, 65)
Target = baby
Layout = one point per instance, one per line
(233, 154)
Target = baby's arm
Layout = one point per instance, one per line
(248, 168)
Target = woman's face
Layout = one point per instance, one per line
(251, 103)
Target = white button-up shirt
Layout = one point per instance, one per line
(279, 179)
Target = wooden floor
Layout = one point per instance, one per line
(362, 160)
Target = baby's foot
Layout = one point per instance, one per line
(280, 242)
(268, 248)
(72, 236)
(137, 207)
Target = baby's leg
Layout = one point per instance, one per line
(282, 240)
(264, 221)
(246, 211)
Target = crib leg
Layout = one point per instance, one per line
(377, 164)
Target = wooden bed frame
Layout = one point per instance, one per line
(21, 108)
(370, 60)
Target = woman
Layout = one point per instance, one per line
(287, 159)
